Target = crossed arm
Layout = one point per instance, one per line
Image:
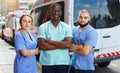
(50, 45)
(29, 53)
(81, 49)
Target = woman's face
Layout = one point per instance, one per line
(26, 23)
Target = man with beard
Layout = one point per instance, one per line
(55, 37)
(84, 40)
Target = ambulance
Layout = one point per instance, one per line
(105, 16)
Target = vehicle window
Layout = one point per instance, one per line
(42, 14)
(104, 13)
(16, 23)
(9, 21)
(2, 19)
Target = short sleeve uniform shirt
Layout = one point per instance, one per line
(24, 64)
(49, 32)
(86, 37)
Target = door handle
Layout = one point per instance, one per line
(108, 36)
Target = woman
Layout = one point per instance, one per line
(25, 46)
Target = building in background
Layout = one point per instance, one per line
(24, 4)
(7, 6)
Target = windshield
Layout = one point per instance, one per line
(104, 13)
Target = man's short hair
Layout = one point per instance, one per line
(84, 11)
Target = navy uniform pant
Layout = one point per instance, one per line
(73, 70)
(55, 69)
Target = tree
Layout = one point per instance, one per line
(30, 5)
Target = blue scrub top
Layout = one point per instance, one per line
(88, 36)
(24, 64)
(49, 32)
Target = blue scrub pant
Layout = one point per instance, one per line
(55, 69)
(73, 70)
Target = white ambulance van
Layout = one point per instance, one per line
(105, 19)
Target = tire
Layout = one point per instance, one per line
(2, 37)
(103, 64)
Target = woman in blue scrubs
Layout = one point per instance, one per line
(25, 46)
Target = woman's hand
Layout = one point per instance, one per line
(37, 51)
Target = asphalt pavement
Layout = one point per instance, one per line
(7, 55)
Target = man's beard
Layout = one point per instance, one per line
(83, 25)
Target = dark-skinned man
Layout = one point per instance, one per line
(55, 37)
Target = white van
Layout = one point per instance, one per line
(105, 19)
